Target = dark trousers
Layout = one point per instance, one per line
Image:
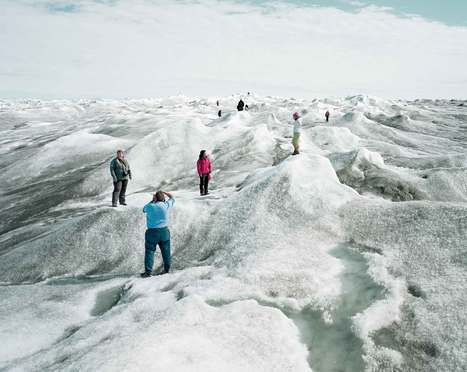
(203, 184)
(119, 192)
(152, 238)
(327, 118)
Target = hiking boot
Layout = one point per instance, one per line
(162, 272)
(123, 203)
(114, 205)
(145, 275)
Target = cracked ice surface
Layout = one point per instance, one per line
(349, 256)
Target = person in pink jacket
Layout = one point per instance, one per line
(204, 171)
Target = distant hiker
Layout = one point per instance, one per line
(217, 103)
(240, 105)
(204, 167)
(297, 125)
(157, 232)
(327, 116)
(219, 113)
(120, 171)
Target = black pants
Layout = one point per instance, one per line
(203, 184)
(119, 192)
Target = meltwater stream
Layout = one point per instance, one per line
(332, 343)
(347, 257)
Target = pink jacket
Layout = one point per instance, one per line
(204, 166)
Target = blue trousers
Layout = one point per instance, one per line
(152, 238)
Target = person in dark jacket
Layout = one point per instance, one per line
(327, 115)
(121, 173)
(204, 167)
(240, 105)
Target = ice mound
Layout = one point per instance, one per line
(334, 139)
(366, 172)
(236, 151)
(34, 317)
(298, 205)
(157, 157)
(99, 242)
(445, 184)
(154, 325)
(424, 243)
(432, 162)
(64, 153)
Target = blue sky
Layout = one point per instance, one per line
(147, 48)
(451, 12)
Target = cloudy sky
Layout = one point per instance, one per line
(146, 48)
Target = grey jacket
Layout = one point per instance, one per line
(120, 170)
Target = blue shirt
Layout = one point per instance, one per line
(157, 213)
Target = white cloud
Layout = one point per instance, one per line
(152, 48)
(354, 3)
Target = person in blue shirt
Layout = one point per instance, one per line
(157, 232)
